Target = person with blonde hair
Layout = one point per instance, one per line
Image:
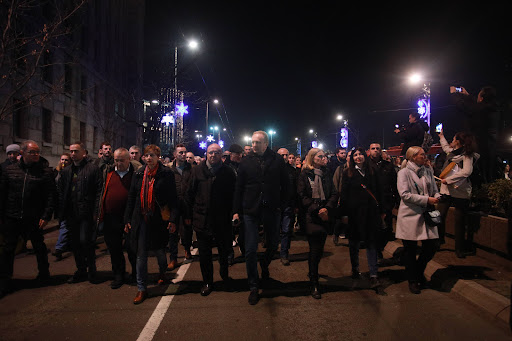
(417, 190)
(318, 200)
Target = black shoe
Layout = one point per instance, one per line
(414, 288)
(374, 282)
(57, 254)
(91, 276)
(459, 254)
(315, 291)
(117, 282)
(43, 276)
(78, 276)
(254, 297)
(335, 239)
(285, 261)
(206, 290)
(355, 274)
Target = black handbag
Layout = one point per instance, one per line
(432, 216)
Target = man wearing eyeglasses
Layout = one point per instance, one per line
(387, 182)
(27, 191)
(210, 199)
(182, 172)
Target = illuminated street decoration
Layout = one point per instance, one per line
(424, 108)
(202, 144)
(182, 109)
(314, 144)
(210, 138)
(221, 143)
(344, 138)
(167, 119)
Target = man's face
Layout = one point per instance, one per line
(107, 150)
(190, 157)
(342, 154)
(122, 161)
(247, 150)
(77, 153)
(291, 159)
(31, 154)
(236, 157)
(284, 153)
(258, 143)
(214, 154)
(375, 150)
(180, 154)
(134, 154)
(13, 156)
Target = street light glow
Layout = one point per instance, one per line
(415, 78)
(193, 44)
(216, 101)
(339, 117)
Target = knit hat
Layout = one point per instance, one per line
(236, 148)
(12, 148)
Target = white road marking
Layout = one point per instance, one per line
(156, 318)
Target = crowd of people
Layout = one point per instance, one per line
(142, 202)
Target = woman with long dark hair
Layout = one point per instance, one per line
(318, 198)
(150, 213)
(456, 187)
(360, 196)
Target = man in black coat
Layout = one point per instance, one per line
(27, 190)
(414, 133)
(387, 181)
(210, 198)
(79, 190)
(260, 194)
(340, 159)
(182, 173)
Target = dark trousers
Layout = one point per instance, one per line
(113, 231)
(459, 219)
(414, 268)
(384, 233)
(185, 232)
(316, 251)
(205, 243)
(83, 238)
(10, 232)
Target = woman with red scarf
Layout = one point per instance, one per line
(149, 215)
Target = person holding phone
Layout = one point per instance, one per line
(414, 133)
(456, 186)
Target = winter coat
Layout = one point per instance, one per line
(182, 182)
(87, 186)
(27, 191)
(414, 193)
(210, 198)
(362, 210)
(458, 185)
(262, 181)
(310, 206)
(387, 181)
(413, 135)
(164, 188)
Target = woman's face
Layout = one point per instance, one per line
(318, 160)
(151, 159)
(65, 160)
(455, 143)
(358, 158)
(419, 158)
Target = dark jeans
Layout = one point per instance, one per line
(63, 240)
(113, 230)
(287, 220)
(371, 256)
(459, 219)
(205, 243)
(414, 268)
(142, 257)
(10, 232)
(83, 238)
(316, 251)
(185, 232)
(270, 219)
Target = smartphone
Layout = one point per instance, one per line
(439, 127)
(458, 89)
(397, 126)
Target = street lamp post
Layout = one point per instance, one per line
(215, 101)
(271, 132)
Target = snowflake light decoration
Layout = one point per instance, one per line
(182, 109)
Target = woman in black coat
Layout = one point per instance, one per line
(360, 195)
(150, 213)
(318, 198)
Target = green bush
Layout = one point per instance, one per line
(500, 193)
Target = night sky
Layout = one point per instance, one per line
(291, 67)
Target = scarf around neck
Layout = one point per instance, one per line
(317, 188)
(146, 192)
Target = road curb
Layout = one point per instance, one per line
(486, 299)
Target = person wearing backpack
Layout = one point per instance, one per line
(414, 133)
(456, 185)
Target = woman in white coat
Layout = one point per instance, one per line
(417, 190)
(456, 186)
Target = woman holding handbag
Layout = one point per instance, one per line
(150, 214)
(456, 186)
(417, 190)
(360, 194)
(318, 198)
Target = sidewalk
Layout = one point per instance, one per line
(484, 279)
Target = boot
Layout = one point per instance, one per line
(315, 290)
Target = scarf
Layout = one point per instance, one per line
(317, 188)
(146, 191)
(420, 171)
